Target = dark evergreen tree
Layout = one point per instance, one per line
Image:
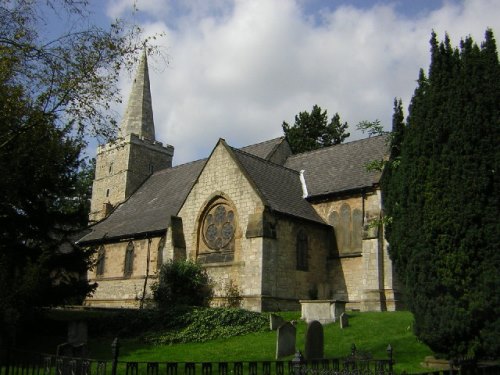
(44, 204)
(312, 131)
(442, 198)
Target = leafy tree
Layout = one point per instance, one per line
(312, 131)
(182, 283)
(442, 196)
(54, 91)
(72, 76)
(41, 209)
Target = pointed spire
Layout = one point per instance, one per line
(138, 118)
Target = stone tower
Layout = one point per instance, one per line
(123, 165)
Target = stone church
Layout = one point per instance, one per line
(278, 226)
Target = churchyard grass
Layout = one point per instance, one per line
(370, 332)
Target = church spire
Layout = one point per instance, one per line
(138, 118)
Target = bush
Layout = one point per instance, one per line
(232, 295)
(182, 283)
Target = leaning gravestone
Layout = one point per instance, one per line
(77, 332)
(344, 321)
(285, 340)
(275, 321)
(314, 340)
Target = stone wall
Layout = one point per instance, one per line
(121, 167)
(117, 290)
(221, 179)
(362, 272)
(283, 284)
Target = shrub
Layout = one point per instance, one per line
(232, 295)
(182, 283)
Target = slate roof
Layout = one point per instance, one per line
(150, 208)
(264, 149)
(341, 167)
(327, 171)
(279, 187)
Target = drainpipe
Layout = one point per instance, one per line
(147, 274)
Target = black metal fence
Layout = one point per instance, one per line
(24, 363)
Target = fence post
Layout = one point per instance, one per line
(297, 363)
(115, 350)
(389, 352)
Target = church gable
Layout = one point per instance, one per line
(217, 208)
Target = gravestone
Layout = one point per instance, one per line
(275, 321)
(285, 340)
(77, 332)
(314, 340)
(344, 321)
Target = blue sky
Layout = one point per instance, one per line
(238, 68)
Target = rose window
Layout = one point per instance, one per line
(218, 228)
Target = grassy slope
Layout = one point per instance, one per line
(369, 331)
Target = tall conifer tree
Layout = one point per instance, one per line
(443, 200)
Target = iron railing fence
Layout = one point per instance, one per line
(14, 362)
(24, 363)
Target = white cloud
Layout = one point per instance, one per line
(238, 69)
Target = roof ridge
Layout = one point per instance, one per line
(324, 149)
(263, 160)
(164, 170)
(260, 143)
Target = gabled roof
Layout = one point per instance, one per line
(161, 196)
(340, 168)
(329, 170)
(279, 187)
(151, 207)
(264, 150)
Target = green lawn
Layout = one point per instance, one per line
(369, 331)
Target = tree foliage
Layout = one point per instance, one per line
(72, 76)
(182, 283)
(312, 130)
(44, 203)
(54, 91)
(442, 195)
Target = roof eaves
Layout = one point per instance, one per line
(122, 237)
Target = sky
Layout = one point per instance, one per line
(238, 68)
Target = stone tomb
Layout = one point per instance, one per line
(285, 340)
(324, 311)
(314, 341)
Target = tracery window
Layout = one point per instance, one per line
(159, 256)
(217, 232)
(302, 251)
(101, 256)
(218, 227)
(348, 226)
(129, 260)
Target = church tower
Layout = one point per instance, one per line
(123, 165)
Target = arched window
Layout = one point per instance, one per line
(302, 250)
(218, 227)
(217, 232)
(348, 226)
(159, 256)
(101, 256)
(129, 260)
